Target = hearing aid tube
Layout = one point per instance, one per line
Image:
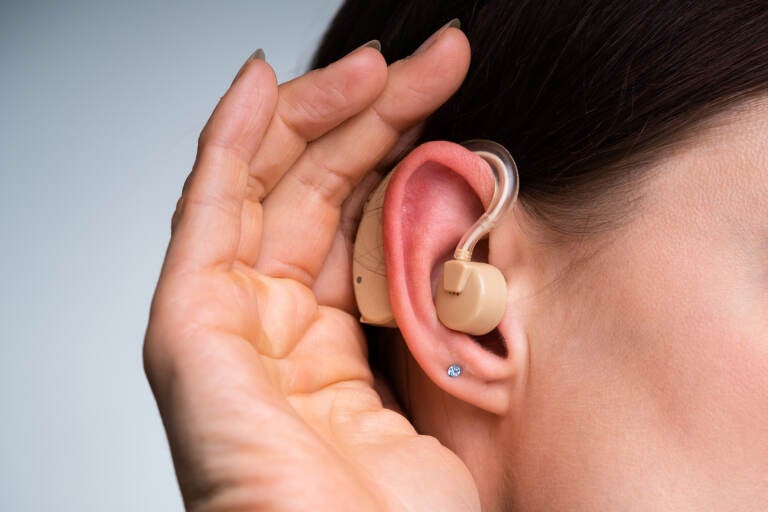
(506, 180)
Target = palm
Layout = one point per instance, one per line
(306, 387)
(262, 379)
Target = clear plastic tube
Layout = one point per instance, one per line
(506, 180)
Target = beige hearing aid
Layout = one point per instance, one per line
(473, 295)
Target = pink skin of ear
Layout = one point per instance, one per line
(474, 170)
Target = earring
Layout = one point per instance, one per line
(454, 371)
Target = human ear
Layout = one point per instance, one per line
(434, 197)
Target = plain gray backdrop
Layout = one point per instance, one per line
(100, 107)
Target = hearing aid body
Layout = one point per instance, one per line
(471, 297)
(368, 269)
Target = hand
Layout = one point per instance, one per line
(262, 384)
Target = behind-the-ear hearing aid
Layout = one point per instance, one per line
(472, 296)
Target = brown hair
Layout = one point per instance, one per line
(580, 90)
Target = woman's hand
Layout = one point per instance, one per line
(263, 383)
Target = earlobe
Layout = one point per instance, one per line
(435, 196)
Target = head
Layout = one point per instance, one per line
(631, 364)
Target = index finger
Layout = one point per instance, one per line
(207, 231)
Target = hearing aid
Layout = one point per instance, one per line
(471, 296)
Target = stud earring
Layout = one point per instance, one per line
(454, 371)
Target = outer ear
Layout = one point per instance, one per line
(435, 195)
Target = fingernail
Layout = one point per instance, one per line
(373, 43)
(257, 55)
(454, 23)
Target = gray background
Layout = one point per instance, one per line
(100, 107)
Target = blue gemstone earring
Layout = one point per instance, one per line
(454, 371)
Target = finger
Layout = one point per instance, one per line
(180, 202)
(176, 212)
(314, 104)
(208, 224)
(307, 107)
(302, 213)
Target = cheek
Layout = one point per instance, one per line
(696, 319)
(762, 256)
(711, 356)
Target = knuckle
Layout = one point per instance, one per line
(210, 201)
(153, 359)
(323, 102)
(287, 269)
(217, 170)
(177, 213)
(255, 188)
(149, 359)
(387, 121)
(419, 87)
(328, 181)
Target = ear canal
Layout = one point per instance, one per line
(472, 297)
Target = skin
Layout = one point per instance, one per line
(645, 349)
(262, 379)
(636, 368)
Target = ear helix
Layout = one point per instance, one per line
(472, 298)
